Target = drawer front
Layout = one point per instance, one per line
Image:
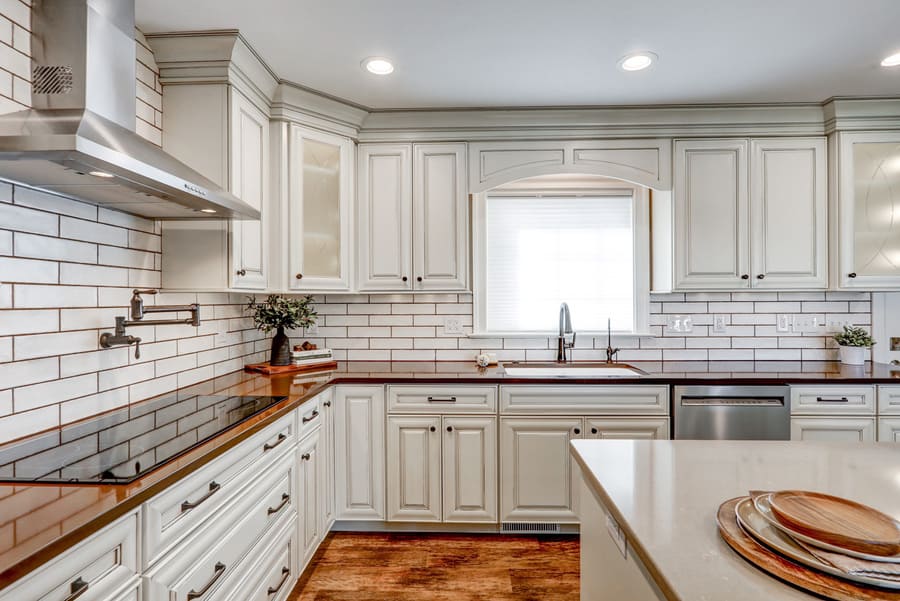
(207, 565)
(889, 429)
(310, 415)
(832, 400)
(173, 514)
(580, 400)
(889, 400)
(101, 567)
(270, 573)
(442, 399)
(833, 429)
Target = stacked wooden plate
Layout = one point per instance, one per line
(834, 547)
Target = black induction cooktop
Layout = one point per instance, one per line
(120, 446)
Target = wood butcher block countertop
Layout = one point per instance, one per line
(40, 521)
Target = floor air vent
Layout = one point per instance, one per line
(530, 528)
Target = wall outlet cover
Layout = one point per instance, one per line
(679, 323)
(895, 343)
(783, 323)
(453, 325)
(836, 324)
(719, 324)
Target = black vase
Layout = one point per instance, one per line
(281, 349)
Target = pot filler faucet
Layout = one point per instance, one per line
(565, 328)
(138, 310)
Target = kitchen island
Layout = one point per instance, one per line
(648, 510)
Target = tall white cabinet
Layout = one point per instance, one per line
(750, 214)
(412, 211)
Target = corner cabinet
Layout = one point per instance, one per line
(319, 192)
(412, 212)
(866, 209)
(219, 131)
(750, 214)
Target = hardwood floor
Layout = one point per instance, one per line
(442, 567)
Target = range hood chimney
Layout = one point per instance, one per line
(78, 138)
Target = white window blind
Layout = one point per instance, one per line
(542, 251)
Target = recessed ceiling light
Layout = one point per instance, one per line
(637, 61)
(378, 65)
(207, 210)
(891, 61)
(100, 174)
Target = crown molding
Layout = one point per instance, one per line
(297, 104)
(859, 114)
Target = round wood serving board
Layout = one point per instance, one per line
(802, 577)
(836, 521)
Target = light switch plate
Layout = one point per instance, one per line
(679, 323)
(783, 323)
(835, 324)
(719, 324)
(806, 324)
(453, 325)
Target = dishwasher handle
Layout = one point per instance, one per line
(725, 401)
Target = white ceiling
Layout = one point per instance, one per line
(490, 53)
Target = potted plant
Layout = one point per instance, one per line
(853, 342)
(279, 313)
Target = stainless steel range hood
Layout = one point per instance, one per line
(78, 140)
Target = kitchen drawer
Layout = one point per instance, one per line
(174, 513)
(209, 558)
(581, 400)
(442, 399)
(833, 429)
(832, 400)
(889, 400)
(889, 429)
(104, 567)
(270, 571)
(309, 415)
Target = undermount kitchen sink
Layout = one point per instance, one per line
(571, 370)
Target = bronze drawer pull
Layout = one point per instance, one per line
(312, 416)
(439, 399)
(281, 438)
(285, 572)
(219, 570)
(843, 399)
(76, 589)
(284, 501)
(213, 489)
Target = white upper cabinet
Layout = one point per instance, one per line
(788, 222)
(711, 214)
(318, 208)
(866, 210)
(750, 214)
(413, 217)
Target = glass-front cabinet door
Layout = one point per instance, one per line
(319, 210)
(868, 217)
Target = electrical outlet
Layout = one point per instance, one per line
(679, 323)
(312, 330)
(805, 324)
(719, 324)
(783, 323)
(453, 325)
(836, 324)
(895, 343)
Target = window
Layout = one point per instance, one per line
(537, 250)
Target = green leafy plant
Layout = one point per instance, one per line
(854, 336)
(282, 312)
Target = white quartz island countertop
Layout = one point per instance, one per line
(665, 495)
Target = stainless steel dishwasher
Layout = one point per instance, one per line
(732, 413)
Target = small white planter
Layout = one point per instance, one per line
(853, 355)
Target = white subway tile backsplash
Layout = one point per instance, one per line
(87, 406)
(18, 425)
(38, 199)
(82, 363)
(126, 257)
(6, 350)
(51, 393)
(92, 275)
(29, 271)
(58, 343)
(91, 231)
(126, 220)
(28, 322)
(57, 249)
(761, 354)
(23, 219)
(123, 376)
(23, 373)
(6, 244)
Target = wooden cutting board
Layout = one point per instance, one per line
(783, 568)
(274, 370)
(837, 521)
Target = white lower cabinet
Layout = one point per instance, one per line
(833, 429)
(889, 429)
(102, 568)
(273, 573)
(442, 468)
(309, 477)
(326, 450)
(359, 452)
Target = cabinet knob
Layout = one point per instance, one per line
(577, 430)
(745, 277)
(593, 430)
(419, 279)
(305, 456)
(851, 275)
(449, 428)
(299, 276)
(761, 276)
(404, 278)
(242, 272)
(433, 429)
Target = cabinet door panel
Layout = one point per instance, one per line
(249, 182)
(711, 214)
(385, 217)
(359, 452)
(470, 469)
(833, 429)
(536, 469)
(309, 479)
(440, 217)
(613, 428)
(788, 204)
(414, 469)
(889, 429)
